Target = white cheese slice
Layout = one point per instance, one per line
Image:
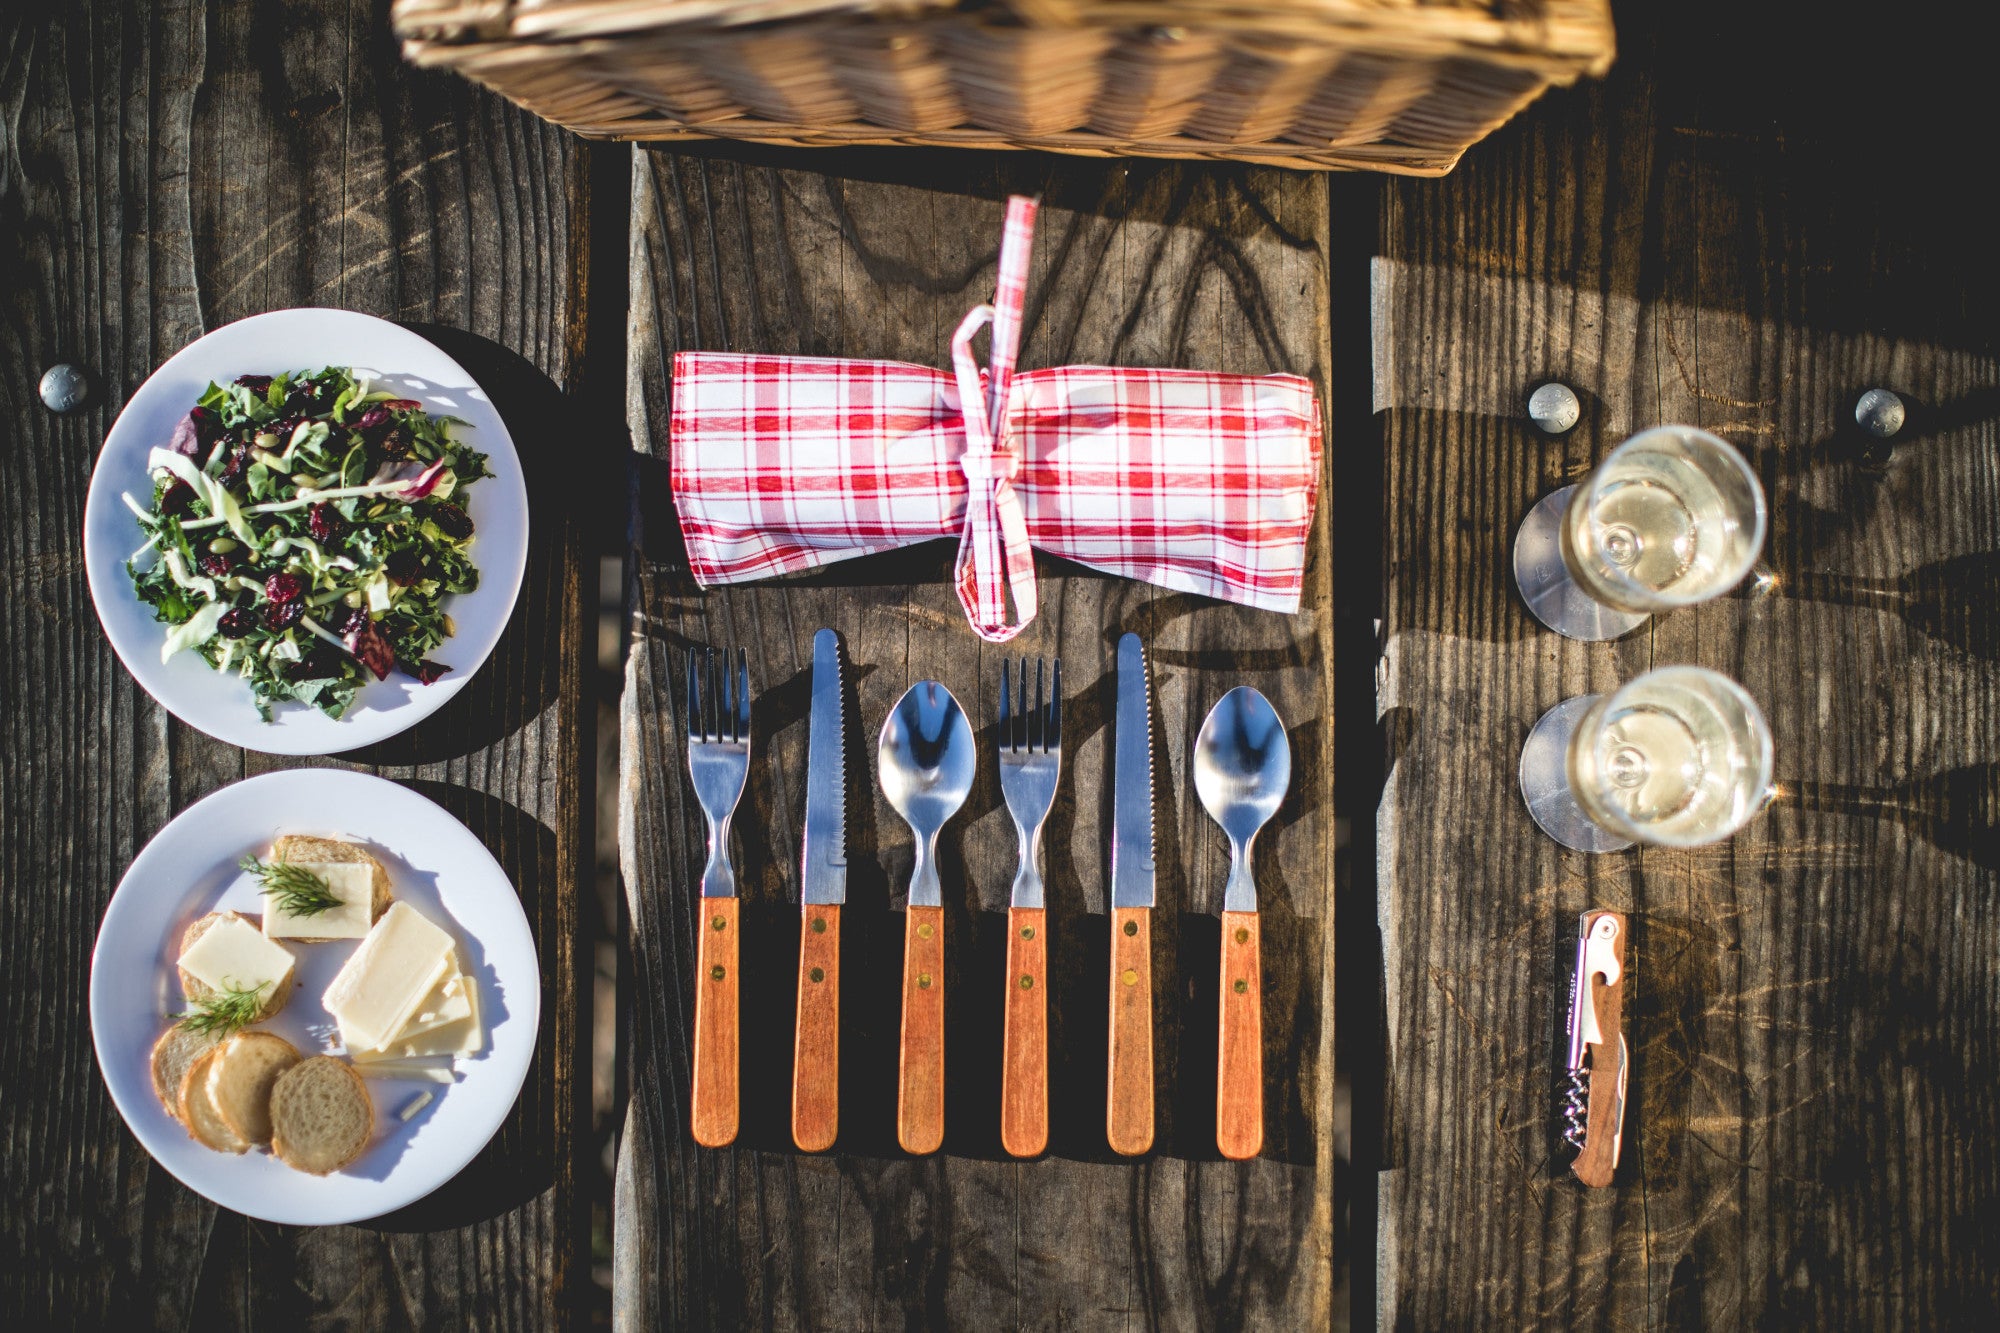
(374, 994)
(232, 955)
(447, 1003)
(424, 1073)
(466, 1037)
(353, 882)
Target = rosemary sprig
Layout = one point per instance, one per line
(296, 889)
(224, 1012)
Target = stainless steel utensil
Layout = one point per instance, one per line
(1242, 766)
(822, 890)
(925, 758)
(718, 761)
(1030, 743)
(1128, 1115)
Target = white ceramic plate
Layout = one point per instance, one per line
(307, 339)
(437, 866)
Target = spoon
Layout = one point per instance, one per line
(925, 758)
(1242, 766)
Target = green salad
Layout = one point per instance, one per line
(304, 533)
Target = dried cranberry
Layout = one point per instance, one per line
(256, 382)
(452, 521)
(371, 648)
(403, 566)
(233, 464)
(325, 522)
(236, 622)
(176, 500)
(318, 664)
(193, 433)
(403, 405)
(395, 443)
(284, 589)
(283, 615)
(425, 671)
(215, 566)
(373, 417)
(344, 618)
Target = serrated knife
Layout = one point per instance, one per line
(1128, 1116)
(822, 890)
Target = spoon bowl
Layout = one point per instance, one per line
(926, 759)
(1242, 768)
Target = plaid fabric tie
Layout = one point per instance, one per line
(1195, 481)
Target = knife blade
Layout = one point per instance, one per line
(822, 890)
(1128, 1114)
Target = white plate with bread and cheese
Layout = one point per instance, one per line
(315, 997)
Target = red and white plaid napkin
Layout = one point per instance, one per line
(1199, 482)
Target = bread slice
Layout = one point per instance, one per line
(198, 991)
(240, 1080)
(198, 1111)
(321, 1116)
(177, 1048)
(297, 847)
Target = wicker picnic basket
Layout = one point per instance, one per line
(1391, 85)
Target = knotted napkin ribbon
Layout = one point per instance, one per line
(1199, 482)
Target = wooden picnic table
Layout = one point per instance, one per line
(1811, 1002)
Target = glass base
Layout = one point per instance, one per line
(1545, 583)
(1545, 782)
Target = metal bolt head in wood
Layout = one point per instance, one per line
(1554, 408)
(1880, 413)
(64, 387)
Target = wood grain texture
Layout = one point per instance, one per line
(1239, 1050)
(1024, 1035)
(166, 168)
(1803, 1146)
(717, 1062)
(1128, 1077)
(1597, 1164)
(920, 1049)
(816, 1048)
(881, 256)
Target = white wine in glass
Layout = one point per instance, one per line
(1677, 757)
(1671, 517)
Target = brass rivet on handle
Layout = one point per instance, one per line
(718, 923)
(1027, 932)
(819, 925)
(1131, 927)
(818, 974)
(1027, 983)
(1130, 977)
(1242, 935)
(716, 972)
(1242, 986)
(923, 981)
(924, 931)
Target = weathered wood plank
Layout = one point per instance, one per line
(1803, 1143)
(1157, 265)
(168, 168)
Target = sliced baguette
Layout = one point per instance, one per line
(198, 1111)
(240, 1080)
(297, 847)
(198, 991)
(177, 1048)
(321, 1116)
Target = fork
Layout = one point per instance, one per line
(1030, 743)
(718, 760)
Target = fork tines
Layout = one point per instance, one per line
(1025, 729)
(721, 712)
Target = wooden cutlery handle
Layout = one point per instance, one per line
(1024, 1069)
(1239, 1076)
(920, 1103)
(1128, 1114)
(715, 1065)
(816, 1052)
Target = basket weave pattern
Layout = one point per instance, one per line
(1389, 85)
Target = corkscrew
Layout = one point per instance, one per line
(1593, 1108)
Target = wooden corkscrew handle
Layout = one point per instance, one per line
(816, 1045)
(715, 1027)
(1128, 1112)
(920, 1100)
(1239, 1078)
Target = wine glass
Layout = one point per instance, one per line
(1671, 517)
(1676, 757)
